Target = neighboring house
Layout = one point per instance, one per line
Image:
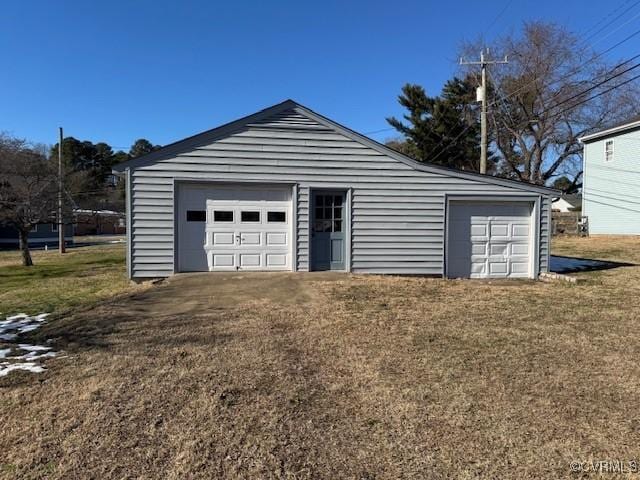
(288, 189)
(99, 222)
(43, 234)
(567, 203)
(611, 179)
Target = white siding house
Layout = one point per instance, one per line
(288, 189)
(611, 183)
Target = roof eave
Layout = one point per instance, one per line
(609, 132)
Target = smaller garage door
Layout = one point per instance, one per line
(489, 239)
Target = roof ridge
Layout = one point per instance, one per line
(229, 128)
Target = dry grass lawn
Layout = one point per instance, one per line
(338, 376)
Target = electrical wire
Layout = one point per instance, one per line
(562, 111)
(575, 70)
(621, 182)
(599, 94)
(580, 94)
(606, 17)
(499, 15)
(585, 197)
(611, 22)
(520, 89)
(623, 199)
(601, 167)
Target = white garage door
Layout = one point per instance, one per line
(234, 228)
(489, 239)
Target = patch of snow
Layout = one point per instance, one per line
(27, 328)
(6, 367)
(33, 356)
(32, 348)
(10, 330)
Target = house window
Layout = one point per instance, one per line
(34, 228)
(54, 227)
(608, 150)
(223, 216)
(196, 216)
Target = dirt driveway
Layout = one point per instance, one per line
(333, 376)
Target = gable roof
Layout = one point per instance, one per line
(574, 200)
(629, 124)
(209, 136)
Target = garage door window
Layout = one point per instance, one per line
(223, 216)
(250, 216)
(276, 217)
(196, 216)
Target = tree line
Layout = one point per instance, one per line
(29, 182)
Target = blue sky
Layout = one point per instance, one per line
(119, 70)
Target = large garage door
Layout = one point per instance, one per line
(489, 239)
(234, 228)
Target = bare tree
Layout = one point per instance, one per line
(553, 91)
(28, 189)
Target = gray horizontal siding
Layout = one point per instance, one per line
(397, 212)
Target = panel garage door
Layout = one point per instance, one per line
(234, 228)
(489, 239)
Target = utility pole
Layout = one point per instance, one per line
(481, 95)
(61, 245)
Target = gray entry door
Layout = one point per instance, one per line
(327, 231)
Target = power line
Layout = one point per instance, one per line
(610, 22)
(564, 77)
(623, 199)
(599, 167)
(580, 94)
(575, 70)
(616, 29)
(608, 204)
(621, 182)
(562, 111)
(605, 18)
(600, 94)
(497, 17)
(378, 131)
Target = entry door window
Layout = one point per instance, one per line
(328, 214)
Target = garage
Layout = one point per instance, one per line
(232, 227)
(288, 189)
(490, 239)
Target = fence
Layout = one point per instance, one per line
(569, 223)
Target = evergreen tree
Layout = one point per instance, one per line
(142, 146)
(445, 129)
